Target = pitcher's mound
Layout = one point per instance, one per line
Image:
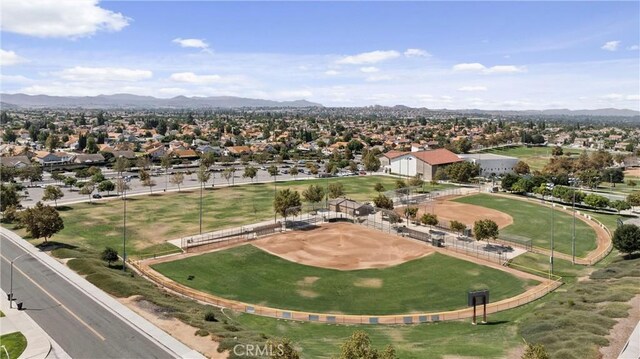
(343, 246)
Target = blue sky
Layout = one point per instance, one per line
(489, 55)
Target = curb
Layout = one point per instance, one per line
(38, 344)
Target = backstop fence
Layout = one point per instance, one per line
(226, 237)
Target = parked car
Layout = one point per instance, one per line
(96, 196)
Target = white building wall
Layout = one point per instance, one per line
(499, 166)
(404, 165)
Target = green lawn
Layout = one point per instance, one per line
(154, 219)
(14, 343)
(536, 157)
(533, 221)
(436, 282)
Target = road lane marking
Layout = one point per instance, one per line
(55, 300)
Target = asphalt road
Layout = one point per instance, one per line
(83, 328)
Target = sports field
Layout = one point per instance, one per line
(154, 219)
(533, 221)
(432, 283)
(536, 157)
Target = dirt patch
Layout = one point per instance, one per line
(343, 246)
(177, 329)
(620, 332)
(307, 281)
(447, 211)
(307, 293)
(368, 283)
(634, 172)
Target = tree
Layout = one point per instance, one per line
(282, 349)
(429, 219)
(165, 162)
(313, 194)
(631, 183)
(92, 146)
(382, 201)
(250, 172)
(557, 151)
(122, 186)
(109, 255)
(70, 181)
(521, 168)
(410, 212)
(613, 175)
(143, 162)
(336, 190)
(87, 189)
(634, 198)
(508, 181)
(106, 186)
(41, 221)
(9, 196)
(620, 205)
(146, 180)
(52, 193)
(287, 202)
(371, 162)
(457, 226)
(177, 179)
(523, 185)
(227, 174)
(294, 171)
(358, 346)
(379, 187)
(121, 164)
(535, 351)
(485, 229)
(440, 175)
(601, 159)
(415, 181)
(462, 172)
(596, 201)
(463, 145)
(52, 142)
(626, 238)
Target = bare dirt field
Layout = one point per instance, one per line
(343, 246)
(447, 210)
(633, 172)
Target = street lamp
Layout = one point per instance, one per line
(11, 280)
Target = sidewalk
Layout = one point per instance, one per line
(134, 320)
(38, 342)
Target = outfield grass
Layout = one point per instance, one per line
(14, 343)
(154, 219)
(535, 157)
(534, 221)
(432, 283)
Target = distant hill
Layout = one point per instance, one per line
(135, 101)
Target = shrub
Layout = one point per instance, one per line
(210, 317)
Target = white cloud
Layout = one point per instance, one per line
(633, 97)
(613, 96)
(633, 47)
(377, 78)
(80, 73)
(369, 69)
(505, 69)
(611, 45)
(332, 72)
(416, 53)
(8, 58)
(369, 57)
(59, 18)
(469, 67)
(196, 43)
(472, 88)
(478, 67)
(192, 78)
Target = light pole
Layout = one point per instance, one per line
(573, 235)
(11, 280)
(201, 184)
(550, 188)
(124, 224)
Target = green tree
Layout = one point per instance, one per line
(382, 201)
(626, 238)
(379, 187)
(177, 179)
(485, 229)
(165, 162)
(508, 181)
(287, 202)
(106, 186)
(87, 189)
(371, 162)
(596, 201)
(410, 212)
(313, 194)
(92, 146)
(521, 168)
(109, 255)
(9, 196)
(250, 172)
(70, 181)
(457, 226)
(620, 205)
(52, 193)
(41, 221)
(121, 165)
(557, 151)
(336, 190)
(227, 174)
(634, 198)
(52, 142)
(358, 346)
(429, 219)
(462, 172)
(294, 171)
(415, 181)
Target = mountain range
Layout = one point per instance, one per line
(128, 101)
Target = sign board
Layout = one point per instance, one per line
(481, 296)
